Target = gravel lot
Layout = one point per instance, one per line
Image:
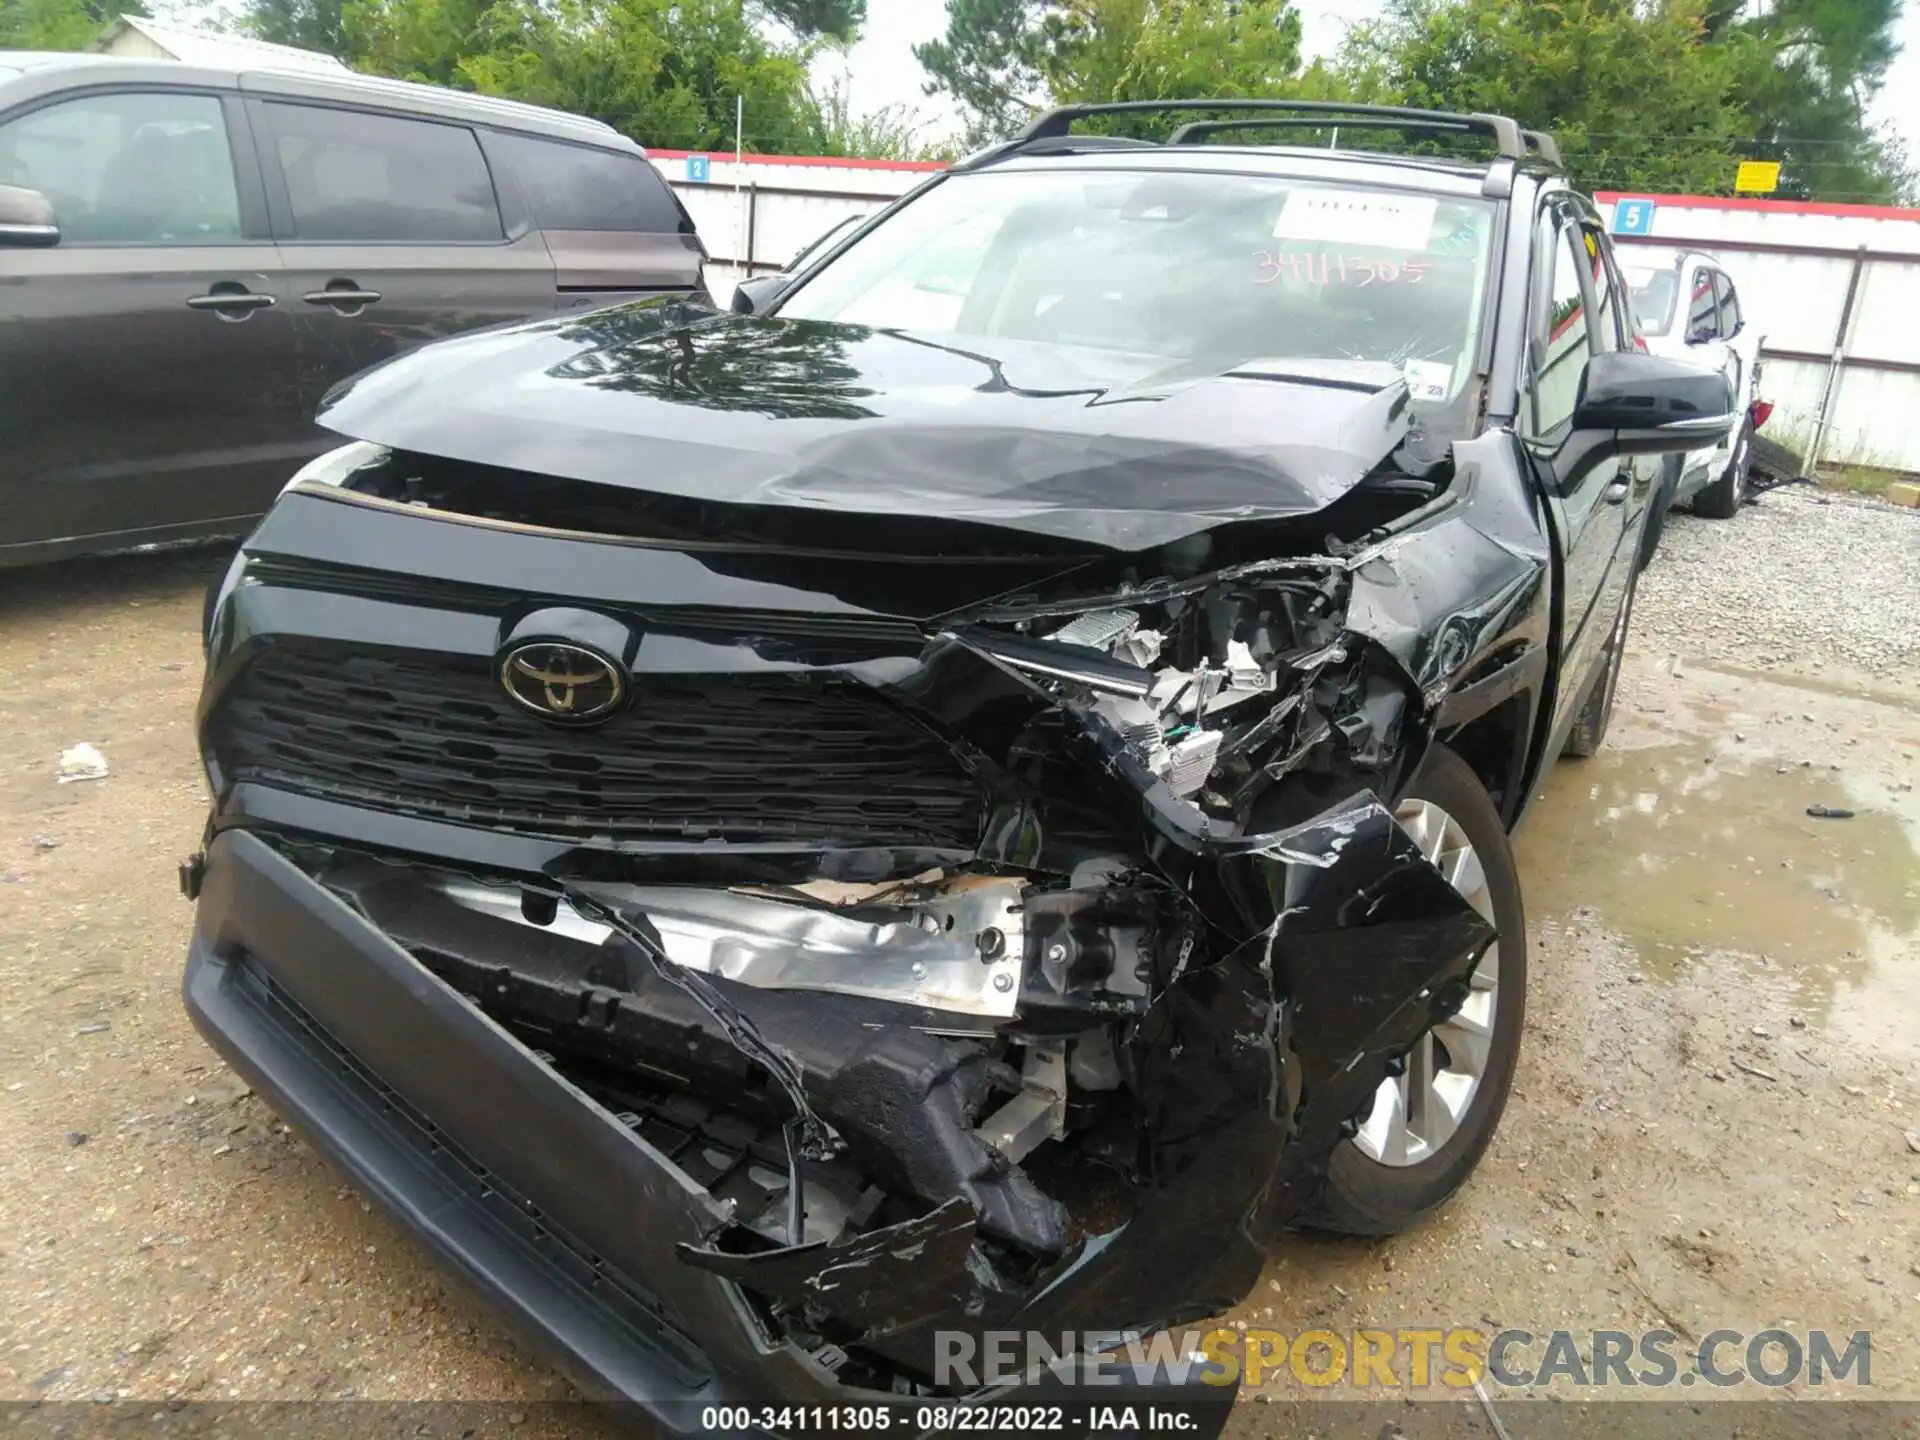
(1803, 577)
(1710, 1125)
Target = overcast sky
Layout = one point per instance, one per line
(882, 71)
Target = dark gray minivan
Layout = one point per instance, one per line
(189, 258)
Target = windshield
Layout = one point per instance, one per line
(1208, 270)
(1653, 292)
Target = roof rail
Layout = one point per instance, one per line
(1540, 143)
(1057, 123)
(1195, 132)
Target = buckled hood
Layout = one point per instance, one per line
(1119, 450)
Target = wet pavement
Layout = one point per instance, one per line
(1714, 855)
(1708, 1129)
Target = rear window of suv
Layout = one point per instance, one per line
(574, 187)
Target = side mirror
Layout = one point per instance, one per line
(752, 297)
(26, 217)
(1653, 405)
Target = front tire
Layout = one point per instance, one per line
(1430, 1125)
(1722, 499)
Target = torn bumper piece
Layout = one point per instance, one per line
(351, 1005)
(530, 1194)
(1247, 1070)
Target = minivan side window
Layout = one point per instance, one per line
(357, 176)
(574, 187)
(128, 168)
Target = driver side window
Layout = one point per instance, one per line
(1562, 339)
(128, 169)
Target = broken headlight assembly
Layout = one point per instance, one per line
(1216, 690)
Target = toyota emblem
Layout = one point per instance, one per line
(562, 682)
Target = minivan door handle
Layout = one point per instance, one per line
(346, 296)
(230, 300)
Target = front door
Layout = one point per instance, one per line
(391, 234)
(1588, 497)
(149, 387)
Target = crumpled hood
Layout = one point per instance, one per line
(1122, 451)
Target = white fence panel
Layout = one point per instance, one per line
(1888, 313)
(757, 213)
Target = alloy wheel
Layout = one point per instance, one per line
(1417, 1111)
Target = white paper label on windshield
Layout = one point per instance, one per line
(1428, 379)
(1357, 217)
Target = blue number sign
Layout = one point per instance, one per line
(698, 169)
(1633, 217)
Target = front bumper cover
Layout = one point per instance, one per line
(519, 1184)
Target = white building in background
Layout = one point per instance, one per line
(1835, 289)
(148, 40)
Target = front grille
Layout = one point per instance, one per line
(740, 1161)
(780, 758)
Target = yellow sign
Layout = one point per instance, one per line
(1758, 177)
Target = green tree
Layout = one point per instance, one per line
(309, 24)
(1816, 66)
(1668, 95)
(836, 19)
(424, 39)
(1099, 50)
(989, 61)
(1637, 96)
(59, 24)
(666, 72)
(1001, 60)
(890, 133)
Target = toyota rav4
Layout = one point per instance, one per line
(969, 792)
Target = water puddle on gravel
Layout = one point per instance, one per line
(1690, 851)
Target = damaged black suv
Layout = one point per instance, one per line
(970, 793)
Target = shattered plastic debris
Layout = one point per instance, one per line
(1190, 761)
(82, 762)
